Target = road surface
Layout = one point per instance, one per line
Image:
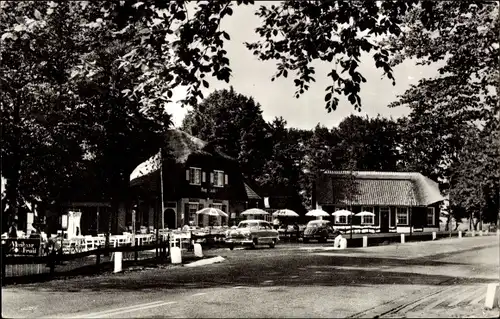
(442, 278)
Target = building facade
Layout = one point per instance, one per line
(195, 175)
(400, 201)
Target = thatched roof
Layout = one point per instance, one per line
(379, 188)
(251, 194)
(179, 145)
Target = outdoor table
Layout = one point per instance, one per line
(117, 240)
(73, 245)
(94, 242)
(140, 239)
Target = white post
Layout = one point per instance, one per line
(492, 293)
(459, 234)
(402, 238)
(175, 255)
(473, 233)
(118, 261)
(198, 252)
(433, 235)
(480, 233)
(365, 241)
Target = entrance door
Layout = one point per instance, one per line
(384, 219)
(169, 216)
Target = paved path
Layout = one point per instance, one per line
(289, 281)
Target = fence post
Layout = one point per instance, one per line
(365, 241)
(160, 248)
(168, 245)
(459, 234)
(98, 255)
(402, 238)
(52, 261)
(4, 265)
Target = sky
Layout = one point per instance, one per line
(252, 77)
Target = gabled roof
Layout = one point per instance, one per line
(179, 145)
(251, 194)
(378, 188)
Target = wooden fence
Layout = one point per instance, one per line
(15, 265)
(19, 262)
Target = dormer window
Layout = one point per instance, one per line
(194, 176)
(218, 178)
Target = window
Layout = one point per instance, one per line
(264, 226)
(218, 178)
(430, 216)
(195, 176)
(342, 219)
(367, 220)
(218, 206)
(402, 216)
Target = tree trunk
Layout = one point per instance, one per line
(12, 186)
(475, 223)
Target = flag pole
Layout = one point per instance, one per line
(161, 190)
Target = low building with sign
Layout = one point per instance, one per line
(395, 201)
(196, 174)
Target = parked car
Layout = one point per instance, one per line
(251, 233)
(289, 232)
(319, 230)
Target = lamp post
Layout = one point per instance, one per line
(134, 210)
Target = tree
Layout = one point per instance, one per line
(463, 97)
(80, 123)
(475, 183)
(39, 134)
(280, 174)
(373, 143)
(177, 43)
(233, 122)
(466, 41)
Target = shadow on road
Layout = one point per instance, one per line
(283, 270)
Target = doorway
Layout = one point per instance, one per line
(169, 217)
(384, 219)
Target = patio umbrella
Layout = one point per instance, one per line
(210, 211)
(317, 213)
(365, 214)
(254, 211)
(342, 212)
(285, 213)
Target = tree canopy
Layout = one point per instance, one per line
(84, 86)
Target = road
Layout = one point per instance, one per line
(446, 278)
